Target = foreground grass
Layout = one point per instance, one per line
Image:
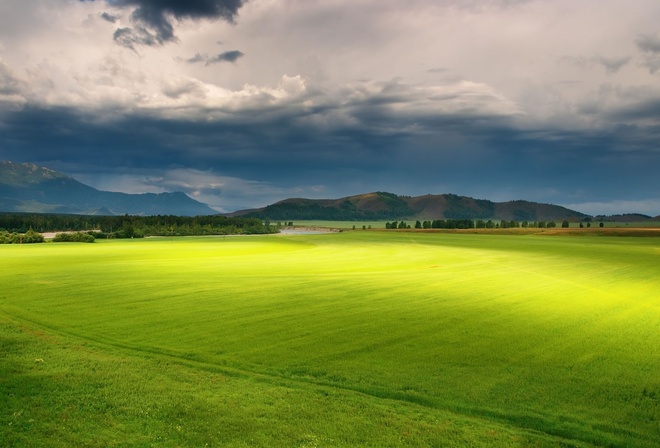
(353, 339)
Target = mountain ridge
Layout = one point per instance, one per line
(26, 187)
(382, 205)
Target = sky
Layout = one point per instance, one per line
(241, 103)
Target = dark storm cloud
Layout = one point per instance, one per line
(645, 111)
(129, 37)
(108, 17)
(227, 56)
(382, 141)
(278, 142)
(153, 19)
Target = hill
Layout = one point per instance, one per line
(626, 217)
(30, 188)
(381, 205)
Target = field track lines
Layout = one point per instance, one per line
(526, 424)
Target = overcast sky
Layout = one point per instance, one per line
(243, 103)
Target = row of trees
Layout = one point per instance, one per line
(478, 224)
(135, 226)
(75, 237)
(28, 237)
(435, 224)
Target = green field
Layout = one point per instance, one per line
(346, 339)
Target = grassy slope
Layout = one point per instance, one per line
(363, 338)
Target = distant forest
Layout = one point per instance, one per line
(134, 226)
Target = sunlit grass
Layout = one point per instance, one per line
(540, 339)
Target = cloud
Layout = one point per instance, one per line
(221, 192)
(611, 64)
(153, 19)
(422, 97)
(227, 56)
(650, 46)
(197, 58)
(8, 84)
(109, 17)
(129, 37)
(177, 88)
(648, 43)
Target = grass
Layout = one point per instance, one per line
(351, 339)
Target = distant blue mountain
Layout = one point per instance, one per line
(29, 188)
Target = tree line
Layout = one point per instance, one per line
(28, 237)
(474, 224)
(13, 225)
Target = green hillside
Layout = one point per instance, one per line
(386, 206)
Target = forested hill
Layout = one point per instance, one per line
(381, 205)
(29, 188)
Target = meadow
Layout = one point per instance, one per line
(358, 338)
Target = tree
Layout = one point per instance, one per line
(418, 225)
(564, 223)
(32, 237)
(77, 237)
(127, 230)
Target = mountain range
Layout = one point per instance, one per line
(28, 188)
(385, 206)
(25, 187)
